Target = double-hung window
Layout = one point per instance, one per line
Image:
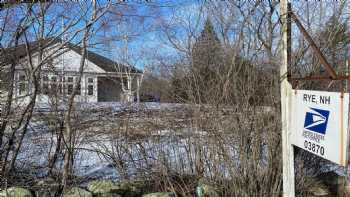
(61, 85)
(78, 89)
(53, 84)
(70, 85)
(22, 84)
(45, 87)
(90, 86)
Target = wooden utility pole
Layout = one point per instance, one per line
(286, 104)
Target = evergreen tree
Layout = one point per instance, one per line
(207, 60)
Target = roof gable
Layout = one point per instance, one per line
(15, 53)
(71, 63)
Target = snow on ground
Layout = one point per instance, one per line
(97, 155)
(107, 153)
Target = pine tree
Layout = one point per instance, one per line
(207, 50)
(207, 59)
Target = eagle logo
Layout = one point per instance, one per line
(316, 120)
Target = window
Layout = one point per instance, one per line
(69, 84)
(22, 88)
(22, 78)
(45, 88)
(69, 89)
(90, 86)
(53, 88)
(60, 89)
(45, 78)
(45, 85)
(50, 62)
(60, 86)
(53, 85)
(70, 79)
(22, 85)
(125, 83)
(61, 78)
(90, 90)
(78, 89)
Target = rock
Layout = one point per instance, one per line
(46, 188)
(108, 195)
(107, 187)
(104, 186)
(47, 181)
(44, 193)
(131, 188)
(16, 192)
(205, 190)
(77, 192)
(160, 194)
(131, 194)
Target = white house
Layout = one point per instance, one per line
(103, 80)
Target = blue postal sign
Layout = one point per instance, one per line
(320, 123)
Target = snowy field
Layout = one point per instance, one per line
(116, 141)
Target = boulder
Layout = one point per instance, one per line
(46, 188)
(126, 189)
(160, 194)
(44, 193)
(47, 181)
(108, 195)
(205, 190)
(131, 194)
(131, 189)
(77, 192)
(16, 192)
(104, 186)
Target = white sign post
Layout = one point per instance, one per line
(320, 123)
(286, 104)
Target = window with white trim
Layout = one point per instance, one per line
(22, 84)
(90, 86)
(45, 85)
(78, 89)
(70, 85)
(53, 84)
(61, 85)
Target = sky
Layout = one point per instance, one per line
(140, 20)
(143, 22)
(149, 44)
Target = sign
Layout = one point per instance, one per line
(320, 123)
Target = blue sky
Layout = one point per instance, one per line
(142, 21)
(147, 42)
(144, 47)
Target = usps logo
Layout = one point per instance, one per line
(316, 120)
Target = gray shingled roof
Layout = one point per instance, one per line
(104, 63)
